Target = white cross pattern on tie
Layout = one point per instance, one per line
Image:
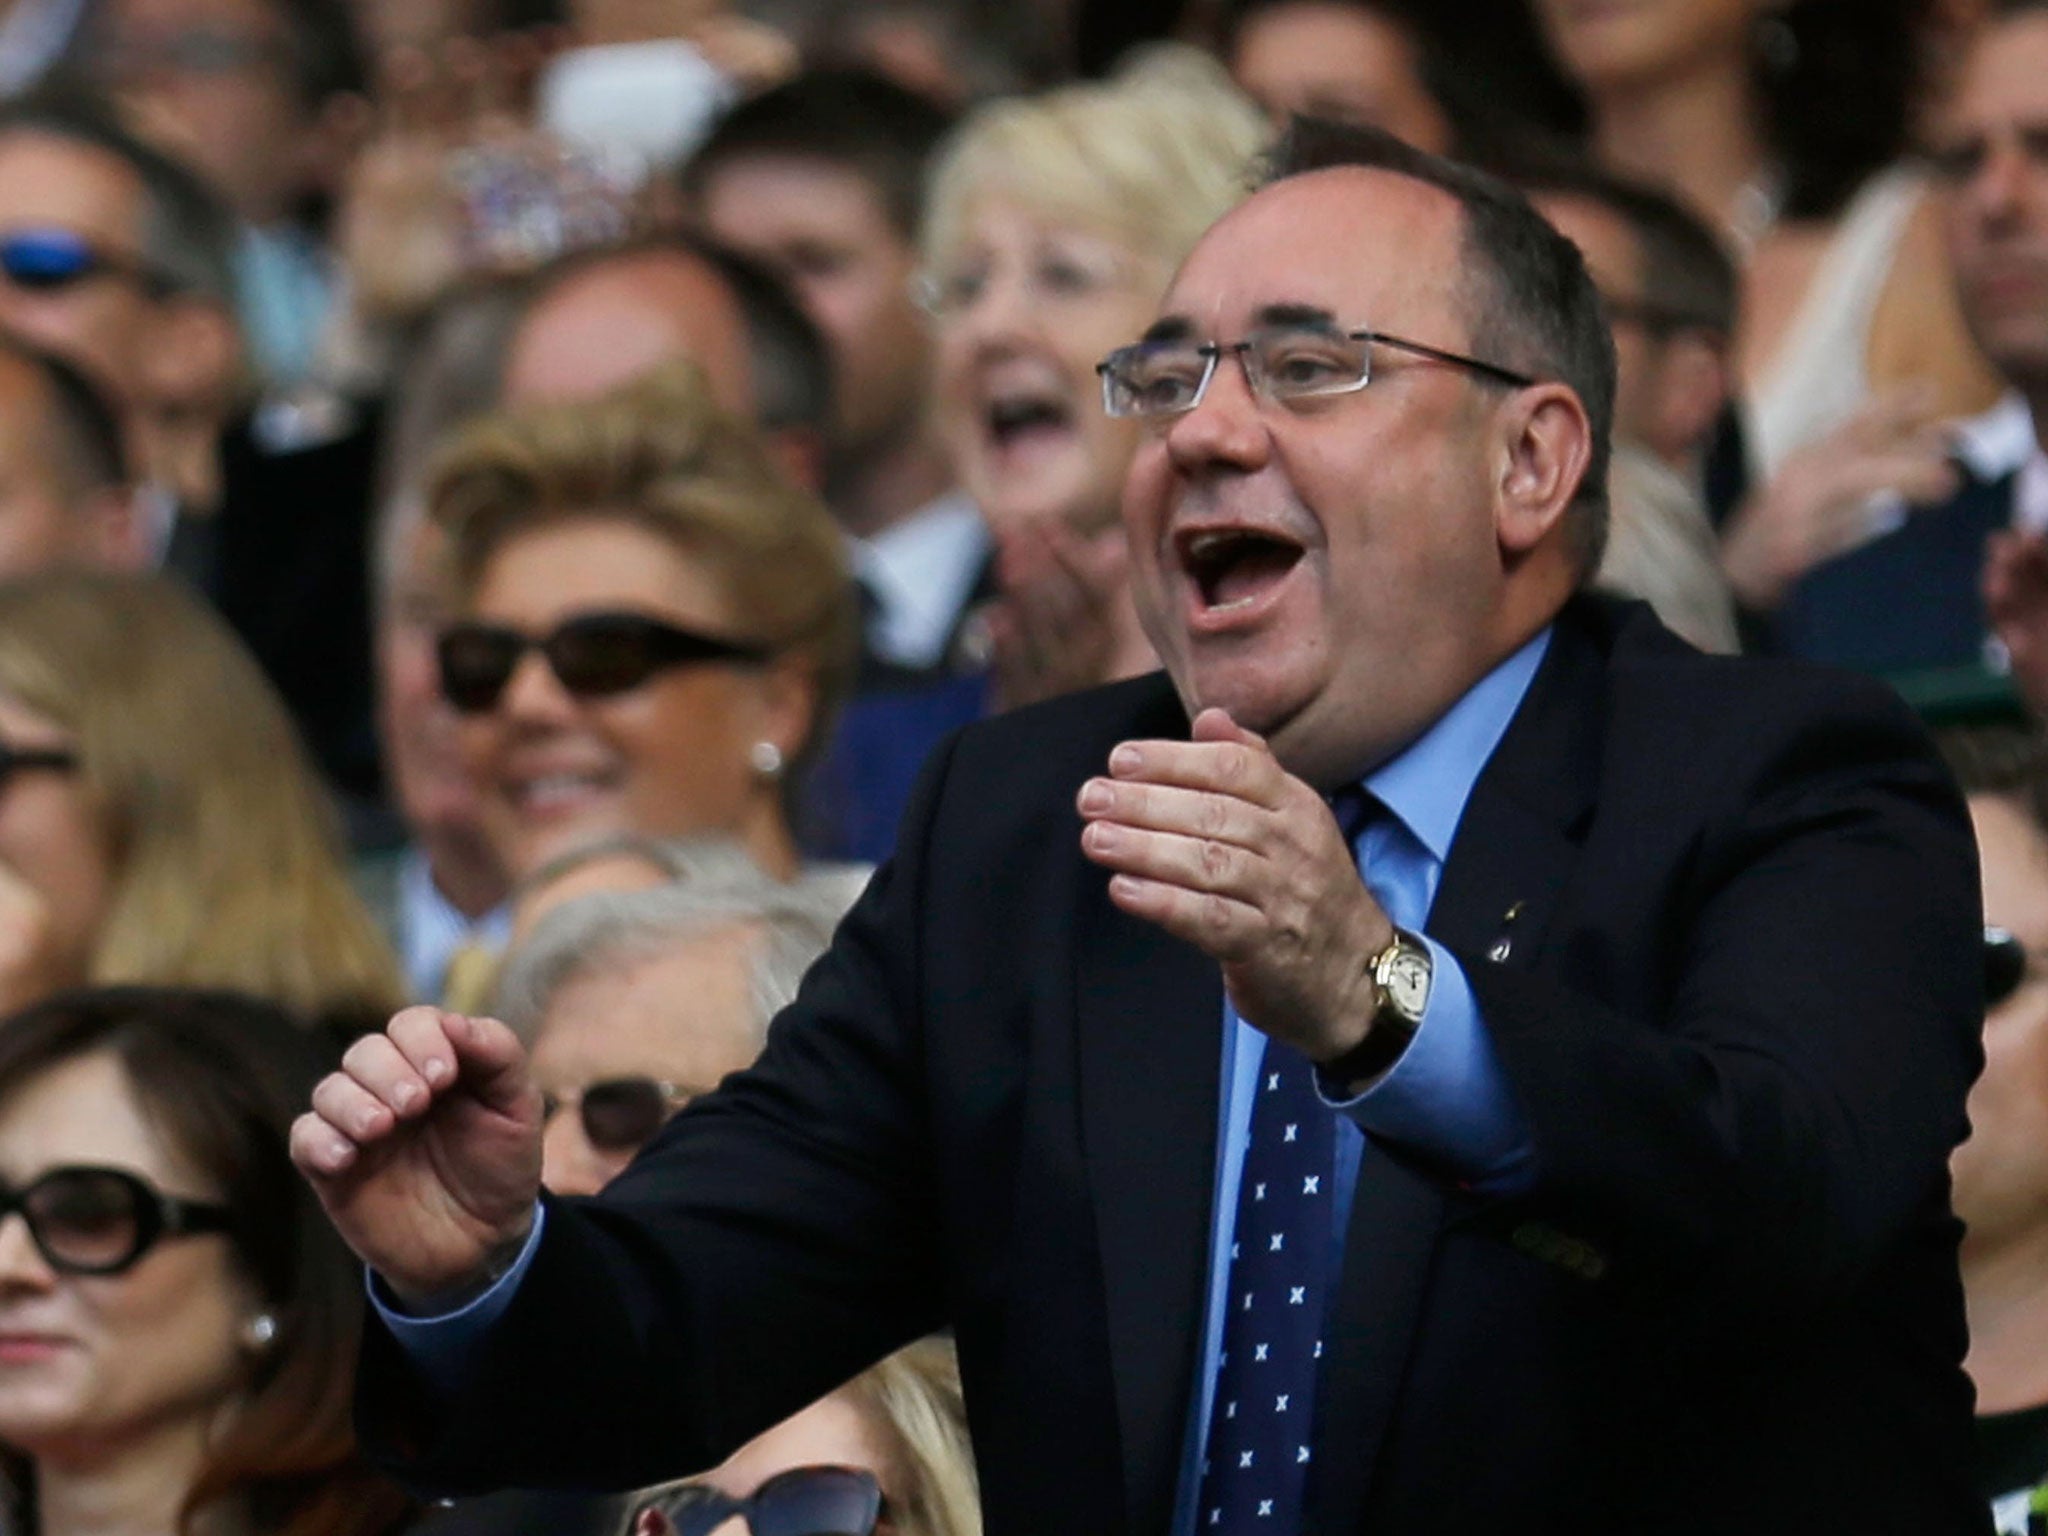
(1254, 1474)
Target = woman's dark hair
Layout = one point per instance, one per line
(1838, 88)
(221, 1077)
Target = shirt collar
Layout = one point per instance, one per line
(1427, 784)
(432, 929)
(921, 571)
(1993, 445)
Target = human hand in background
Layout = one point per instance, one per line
(2016, 603)
(1817, 505)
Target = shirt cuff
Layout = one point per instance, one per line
(441, 1346)
(1446, 1096)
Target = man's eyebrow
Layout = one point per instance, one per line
(1169, 328)
(1296, 316)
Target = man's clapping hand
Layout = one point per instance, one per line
(1218, 844)
(425, 1149)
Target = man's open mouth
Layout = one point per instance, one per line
(1234, 567)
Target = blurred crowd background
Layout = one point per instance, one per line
(498, 499)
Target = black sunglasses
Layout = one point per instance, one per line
(804, 1501)
(101, 1221)
(593, 655)
(621, 1114)
(15, 760)
(45, 260)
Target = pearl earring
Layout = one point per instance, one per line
(260, 1331)
(765, 758)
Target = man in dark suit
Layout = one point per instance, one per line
(1572, 1153)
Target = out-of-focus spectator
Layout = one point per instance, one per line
(602, 318)
(158, 820)
(182, 1321)
(598, 989)
(822, 179)
(952, 52)
(1352, 61)
(116, 258)
(440, 895)
(656, 627)
(121, 263)
(65, 495)
(1907, 592)
(1785, 127)
(899, 1427)
(261, 97)
(1670, 290)
(2001, 1172)
(1053, 224)
(1661, 548)
(1988, 150)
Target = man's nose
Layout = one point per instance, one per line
(1226, 428)
(2000, 188)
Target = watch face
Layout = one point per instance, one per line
(1407, 982)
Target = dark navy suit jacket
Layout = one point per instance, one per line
(1721, 918)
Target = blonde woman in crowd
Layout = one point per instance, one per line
(653, 626)
(1052, 226)
(159, 822)
(887, 1451)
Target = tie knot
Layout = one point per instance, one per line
(1354, 807)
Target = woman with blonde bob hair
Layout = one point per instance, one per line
(159, 822)
(889, 1451)
(655, 625)
(1053, 225)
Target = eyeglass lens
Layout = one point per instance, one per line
(52, 258)
(87, 1220)
(2005, 965)
(623, 1113)
(804, 1501)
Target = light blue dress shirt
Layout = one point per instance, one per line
(1445, 1096)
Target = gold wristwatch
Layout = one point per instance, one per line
(1401, 975)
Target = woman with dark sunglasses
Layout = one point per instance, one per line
(177, 1322)
(885, 1455)
(655, 627)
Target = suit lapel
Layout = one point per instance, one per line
(1507, 867)
(1149, 1010)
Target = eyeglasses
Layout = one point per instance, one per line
(48, 260)
(15, 760)
(101, 1221)
(1053, 279)
(594, 655)
(2006, 964)
(1282, 363)
(620, 1114)
(804, 1501)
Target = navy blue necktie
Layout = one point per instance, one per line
(1261, 1422)
(1257, 1458)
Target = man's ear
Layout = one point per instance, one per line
(1548, 446)
(1690, 392)
(195, 364)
